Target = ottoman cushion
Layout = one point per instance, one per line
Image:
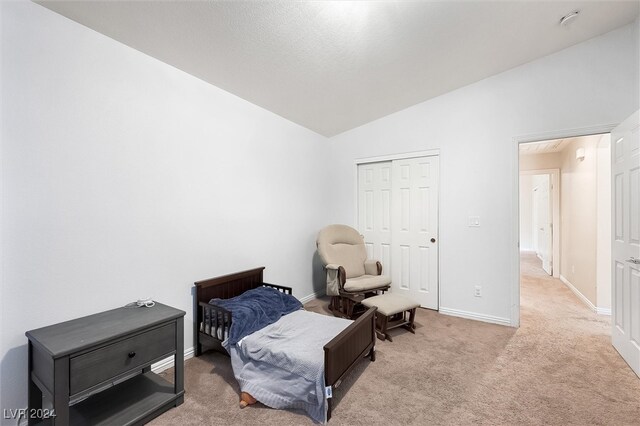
(389, 303)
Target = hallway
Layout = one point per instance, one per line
(546, 300)
(562, 362)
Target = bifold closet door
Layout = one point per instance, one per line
(414, 232)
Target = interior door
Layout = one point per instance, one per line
(625, 168)
(415, 229)
(374, 211)
(545, 214)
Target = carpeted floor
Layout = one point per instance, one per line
(558, 368)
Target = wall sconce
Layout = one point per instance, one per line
(580, 154)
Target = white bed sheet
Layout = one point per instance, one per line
(282, 365)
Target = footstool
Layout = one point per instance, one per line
(393, 311)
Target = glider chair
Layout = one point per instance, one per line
(351, 277)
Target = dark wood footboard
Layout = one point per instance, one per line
(344, 351)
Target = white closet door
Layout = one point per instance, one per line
(625, 168)
(415, 229)
(374, 211)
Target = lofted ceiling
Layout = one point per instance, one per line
(331, 66)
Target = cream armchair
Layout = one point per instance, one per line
(350, 275)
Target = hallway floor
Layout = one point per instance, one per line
(571, 348)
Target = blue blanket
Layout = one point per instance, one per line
(255, 309)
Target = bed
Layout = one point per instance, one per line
(213, 323)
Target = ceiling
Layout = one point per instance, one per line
(555, 145)
(544, 147)
(331, 66)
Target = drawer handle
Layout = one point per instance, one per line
(132, 354)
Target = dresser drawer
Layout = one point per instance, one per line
(102, 364)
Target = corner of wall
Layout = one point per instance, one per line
(2, 180)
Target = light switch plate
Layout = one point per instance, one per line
(474, 221)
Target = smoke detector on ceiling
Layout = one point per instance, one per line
(564, 21)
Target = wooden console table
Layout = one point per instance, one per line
(97, 369)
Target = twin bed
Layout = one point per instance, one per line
(296, 361)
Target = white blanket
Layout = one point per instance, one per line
(282, 365)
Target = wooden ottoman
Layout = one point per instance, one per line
(393, 311)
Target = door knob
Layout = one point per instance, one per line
(433, 240)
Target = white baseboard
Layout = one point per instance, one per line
(581, 296)
(312, 296)
(475, 316)
(603, 311)
(168, 362)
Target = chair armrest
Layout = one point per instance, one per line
(342, 275)
(337, 273)
(372, 267)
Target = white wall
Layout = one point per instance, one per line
(123, 177)
(476, 128)
(2, 312)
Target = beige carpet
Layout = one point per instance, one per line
(558, 368)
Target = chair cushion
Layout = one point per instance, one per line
(367, 282)
(344, 246)
(389, 303)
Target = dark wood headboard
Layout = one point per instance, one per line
(224, 287)
(228, 286)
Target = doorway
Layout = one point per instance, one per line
(398, 218)
(617, 241)
(540, 217)
(565, 199)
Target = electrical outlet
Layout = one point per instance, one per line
(478, 291)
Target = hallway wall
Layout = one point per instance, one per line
(578, 217)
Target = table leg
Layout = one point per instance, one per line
(178, 378)
(61, 391)
(34, 394)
